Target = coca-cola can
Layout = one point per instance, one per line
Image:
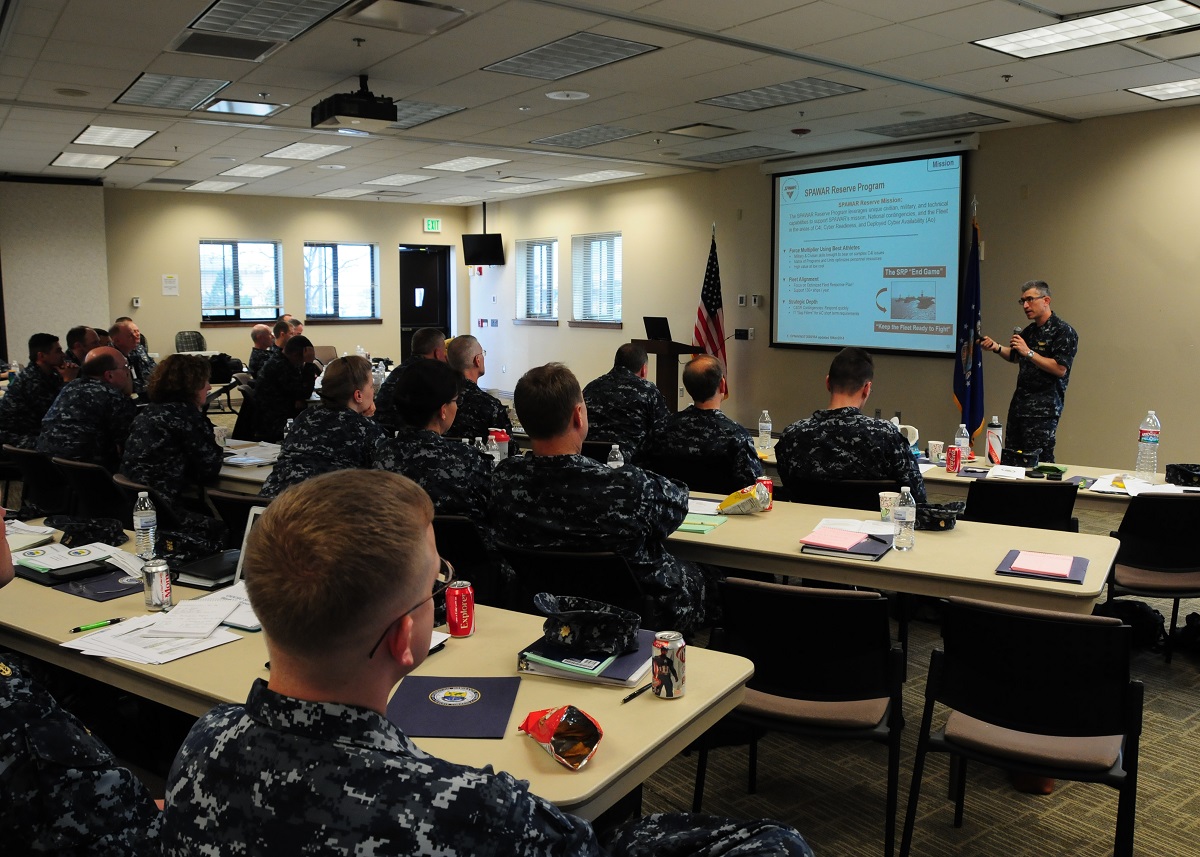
(767, 483)
(156, 579)
(669, 665)
(953, 459)
(460, 608)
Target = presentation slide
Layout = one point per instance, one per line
(868, 255)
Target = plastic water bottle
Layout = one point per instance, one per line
(962, 439)
(1147, 457)
(764, 430)
(287, 427)
(904, 516)
(615, 459)
(493, 449)
(145, 525)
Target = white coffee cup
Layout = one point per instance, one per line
(936, 448)
(221, 433)
(887, 500)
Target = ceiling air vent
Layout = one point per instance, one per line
(226, 47)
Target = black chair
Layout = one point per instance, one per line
(1036, 692)
(130, 490)
(460, 543)
(95, 494)
(45, 490)
(598, 450)
(243, 426)
(716, 473)
(829, 671)
(234, 510)
(1023, 503)
(190, 340)
(844, 493)
(598, 575)
(9, 473)
(226, 390)
(1157, 558)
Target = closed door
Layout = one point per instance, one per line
(424, 291)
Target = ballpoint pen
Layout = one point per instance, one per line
(94, 625)
(876, 538)
(637, 692)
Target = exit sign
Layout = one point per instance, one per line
(433, 224)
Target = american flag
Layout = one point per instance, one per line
(709, 332)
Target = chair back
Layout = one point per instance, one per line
(461, 544)
(190, 340)
(1156, 533)
(1046, 505)
(95, 494)
(845, 493)
(806, 643)
(325, 353)
(598, 450)
(1035, 671)
(598, 575)
(716, 473)
(44, 486)
(130, 489)
(234, 510)
(243, 426)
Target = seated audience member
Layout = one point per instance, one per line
(311, 761)
(336, 434)
(283, 388)
(103, 340)
(80, 340)
(282, 332)
(559, 499)
(127, 339)
(623, 407)
(63, 792)
(171, 445)
(32, 391)
(477, 411)
(841, 442)
(457, 477)
(90, 419)
(260, 335)
(428, 343)
(297, 327)
(702, 431)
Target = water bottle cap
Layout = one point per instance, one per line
(614, 446)
(142, 494)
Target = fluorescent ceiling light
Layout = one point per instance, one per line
(593, 135)
(255, 171)
(410, 114)
(1112, 26)
(171, 91)
(745, 153)
(934, 125)
(565, 57)
(465, 165)
(103, 135)
(703, 130)
(779, 94)
(305, 151)
(344, 193)
(270, 19)
(601, 176)
(1170, 91)
(398, 180)
(83, 162)
(136, 161)
(214, 187)
(244, 108)
(460, 200)
(524, 188)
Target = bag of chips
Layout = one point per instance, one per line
(752, 498)
(569, 735)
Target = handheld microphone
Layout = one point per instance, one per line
(1016, 330)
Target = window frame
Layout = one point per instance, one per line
(529, 292)
(237, 311)
(583, 265)
(337, 315)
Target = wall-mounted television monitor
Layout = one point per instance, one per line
(485, 248)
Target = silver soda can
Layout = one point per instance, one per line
(156, 577)
(669, 665)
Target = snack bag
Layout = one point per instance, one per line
(569, 735)
(752, 498)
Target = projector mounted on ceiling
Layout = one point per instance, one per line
(355, 111)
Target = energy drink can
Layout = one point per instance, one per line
(460, 608)
(669, 665)
(156, 578)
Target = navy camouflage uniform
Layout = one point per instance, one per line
(171, 448)
(89, 421)
(703, 433)
(141, 367)
(385, 397)
(572, 503)
(281, 775)
(624, 409)
(277, 389)
(845, 444)
(62, 791)
(323, 439)
(457, 477)
(1038, 400)
(258, 359)
(477, 412)
(29, 395)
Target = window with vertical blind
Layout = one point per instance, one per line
(596, 276)
(341, 281)
(537, 278)
(240, 280)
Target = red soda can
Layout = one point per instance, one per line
(767, 482)
(460, 608)
(669, 665)
(953, 459)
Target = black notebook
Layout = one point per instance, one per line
(210, 572)
(1079, 566)
(869, 549)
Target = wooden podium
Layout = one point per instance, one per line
(666, 366)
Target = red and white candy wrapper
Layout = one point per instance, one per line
(569, 735)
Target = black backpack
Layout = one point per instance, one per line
(223, 367)
(1149, 626)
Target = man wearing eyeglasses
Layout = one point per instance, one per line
(311, 762)
(1043, 352)
(90, 419)
(477, 411)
